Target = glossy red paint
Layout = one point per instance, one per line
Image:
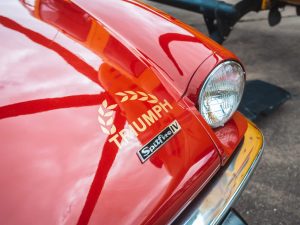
(60, 60)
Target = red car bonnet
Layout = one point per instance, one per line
(65, 69)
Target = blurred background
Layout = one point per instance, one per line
(271, 54)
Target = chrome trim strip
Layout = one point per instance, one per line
(214, 201)
(240, 188)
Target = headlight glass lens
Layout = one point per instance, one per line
(222, 93)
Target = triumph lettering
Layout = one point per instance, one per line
(142, 123)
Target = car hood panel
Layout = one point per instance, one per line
(58, 162)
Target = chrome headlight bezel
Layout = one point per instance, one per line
(210, 79)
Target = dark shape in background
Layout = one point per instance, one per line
(220, 17)
(261, 98)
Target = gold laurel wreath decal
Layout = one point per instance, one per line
(106, 118)
(138, 95)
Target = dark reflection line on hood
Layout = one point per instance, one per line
(47, 104)
(107, 159)
(166, 39)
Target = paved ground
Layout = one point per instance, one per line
(273, 55)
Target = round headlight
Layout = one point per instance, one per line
(222, 93)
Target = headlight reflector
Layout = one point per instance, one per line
(222, 93)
